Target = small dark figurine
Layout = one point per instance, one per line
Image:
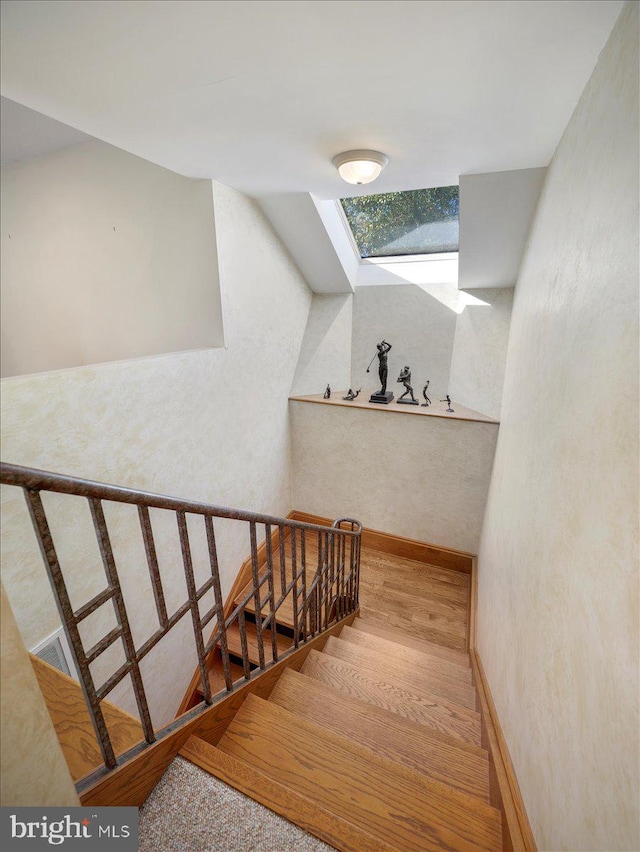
(447, 399)
(427, 401)
(351, 395)
(383, 395)
(405, 378)
(327, 393)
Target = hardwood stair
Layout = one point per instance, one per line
(379, 796)
(395, 696)
(432, 678)
(374, 742)
(415, 746)
(432, 649)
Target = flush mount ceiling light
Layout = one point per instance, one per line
(360, 166)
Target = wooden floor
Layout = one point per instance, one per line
(426, 602)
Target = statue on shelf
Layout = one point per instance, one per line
(427, 401)
(447, 399)
(405, 378)
(383, 395)
(327, 393)
(351, 395)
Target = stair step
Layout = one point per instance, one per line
(415, 746)
(282, 800)
(409, 657)
(406, 617)
(235, 646)
(395, 696)
(399, 806)
(216, 676)
(409, 641)
(383, 664)
(284, 614)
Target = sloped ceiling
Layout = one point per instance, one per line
(261, 94)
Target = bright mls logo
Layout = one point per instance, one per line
(70, 828)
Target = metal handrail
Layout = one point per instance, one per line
(331, 595)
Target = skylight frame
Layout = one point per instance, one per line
(422, 257)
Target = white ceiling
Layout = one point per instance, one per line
(25, 133)
(261, 94)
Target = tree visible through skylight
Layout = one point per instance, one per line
(420, 221)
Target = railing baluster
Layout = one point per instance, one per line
(283, 565)
(195, 608)
(303, 571)
(69, 623)
(294, 589)
(272, 611)
(152, 561)
(243, 645)
(255, 573)
(217, 593)
(106, 552)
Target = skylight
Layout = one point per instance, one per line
(420, 221)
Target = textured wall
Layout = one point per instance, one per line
(104, 257)
(325, 356)
(558, 563)
(34, 771)
(480, 349)
(420, 477)
(209, 425)
(418, 321)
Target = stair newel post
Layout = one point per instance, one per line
(272, 610)
(69, 623)
(219, 604)
(243, 645)
(187, 561)
(255, 574)
(331, 596)
(352, 572)
(294, 582)
(341, 604)
(303, 572)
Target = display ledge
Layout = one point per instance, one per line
(436, 409)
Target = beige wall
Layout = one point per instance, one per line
(325, 356)
(209, 425)
(104, 257)
(419, 322)
(421, 477)
(558, 562)
(34, 771)
(480, 349)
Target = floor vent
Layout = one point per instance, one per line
(55, 651)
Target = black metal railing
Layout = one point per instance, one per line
(330, 596)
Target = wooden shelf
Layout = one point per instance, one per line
(436, 409)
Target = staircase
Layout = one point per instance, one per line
(336, 689)
(374, 744)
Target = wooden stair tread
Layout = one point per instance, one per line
(394, 696)
(216, 676)
(384, 665)
(281, 799)
(422, 749)
(410, 641)
(68, 710)
(407, 621)
(396, 804)
(284, 643)
(284, 614)
(409, 656)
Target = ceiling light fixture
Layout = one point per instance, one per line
(360, 166)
